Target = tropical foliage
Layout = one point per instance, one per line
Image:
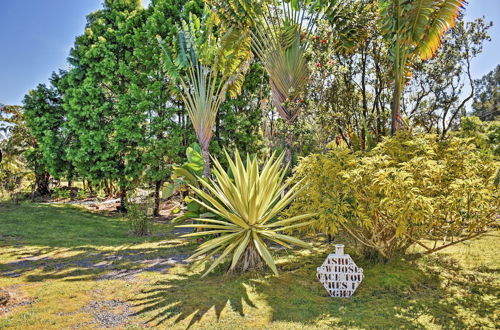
(186, 175)
(413, 29)
(247, 200)
(408, 190)
(214, 66)
(281, 32)
(153, 95)
(487, 101)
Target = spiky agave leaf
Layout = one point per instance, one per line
(247, 201)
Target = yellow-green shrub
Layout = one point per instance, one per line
(408, 190)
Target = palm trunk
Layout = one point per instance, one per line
(398, 72)
(156, 210)
(396, 108)
(206, 160)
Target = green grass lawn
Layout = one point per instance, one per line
(68, 268)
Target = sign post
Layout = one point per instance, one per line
(339, 274)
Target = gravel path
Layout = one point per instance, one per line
(109, 313)
(119, 266)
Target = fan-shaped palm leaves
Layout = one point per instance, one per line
(281, 31)
(248, 200)
(280, 34)
(279, 43)
(207, 68)
(414, 28)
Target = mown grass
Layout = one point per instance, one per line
(72, 251)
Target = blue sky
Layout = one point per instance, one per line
(36, 36)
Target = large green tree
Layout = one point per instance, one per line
(98, 100)
(45, 118)
(165, 131)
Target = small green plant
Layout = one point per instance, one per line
(82, 194)
(61, 193)
(139, 217)
(247, 201)
(186, 175)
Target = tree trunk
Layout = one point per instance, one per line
(108, 188)
(123, 200)
(396, 108)
(206, 160)
(42, 183)
(156, 210)
(90, 186)
(289, 148)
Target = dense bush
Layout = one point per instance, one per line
(408, 190)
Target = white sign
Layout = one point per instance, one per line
(339, 274)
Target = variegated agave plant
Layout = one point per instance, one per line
(248, 201)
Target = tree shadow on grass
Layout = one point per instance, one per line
(93, 264)
(189, 298)
(60, 242)
(397, 294)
